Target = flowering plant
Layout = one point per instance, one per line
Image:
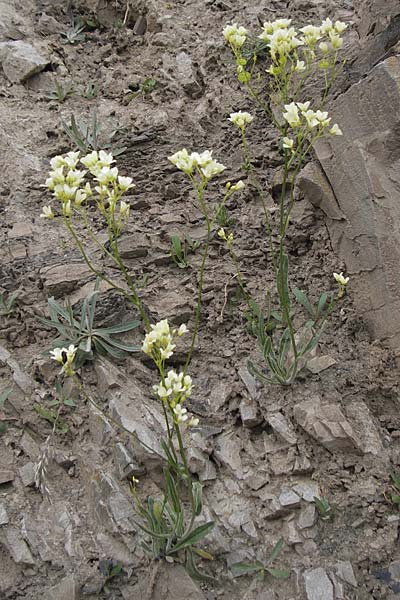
(294, 55)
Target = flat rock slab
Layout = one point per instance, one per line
(318, 585)
(327, 424)
(20, 60)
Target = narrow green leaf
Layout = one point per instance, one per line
(197, 490)
(276, 549)
(304, 301)
(119, 328)
(194, 536)
(244, 568)
(321, 304)
(278, 573)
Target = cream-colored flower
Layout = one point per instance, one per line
(56, 177)
(65, 192)
(235, 35)
(65, 357)
(292, 114)
(90, 160)
(180, 414)
(182, 330)
(67, 209)
(240, 185)
(287, 143)
(335, 130)
(340, 26)
(303, 106)
(311, 34)
(47, 213)
(80, 197)
(201, 159)
(107, 175)
(340, 279)
(326, 26)
(74, 177)
(240, 119)
(57, 162)
(124, 209)
(212, 169)
(336, 41)
(311, 118)
(193, 422)
(106, 158)
(182, 160)
(300, 66)
(125, 183)
(323, 46)
(71, 159)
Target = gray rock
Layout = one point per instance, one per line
(327, 424)
(307, 490)
(344, 570)
(282, 427)
(320, 363)
(20, 60)
(182, 70)
(249, 412)
(67, 589)
(59, 280)
(27, 474)
(318, 585)
(307, 517)
(172, 582)
(113, 546)
(113, 509)
(17, 547)
(127, 466)
(289, 499)
(3, 514)
(133, 246)
(361, 168)
(252, 385)
(219, 395)
(227, 452)
(29, 445)
(370, 441)
(200, 464)
(6, 476)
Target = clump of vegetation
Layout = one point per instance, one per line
(180, 250)
(8, 303)
(59, 93)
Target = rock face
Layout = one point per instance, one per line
(360, 196)
(20, 60)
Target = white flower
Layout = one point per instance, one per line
(57, 162)
(341, 280)
(158, 342)
(65, 192)
(311, 118)
(182, 329)
(322, 117)
(80, 197)
(107, 175)
(340, 26)
(270, 26)
(125, 183)
(281, 42)
(74, 177)
(182, 160)
(326, 26)
(67, 208)
(323, 46)
(65, 356)
(240, 119)
(213, 168)
(56, 178)
(292, 114)
(335, 130)
(202, 159)
(176, 388)
(303, 106)
(300, 66)
(71, 159)
(180, 413)
(124, 209)
(47, 213)
(90, 160)
(237, 186)
(311, 34)
(106, 159)
(235, 35)
(287, 143)
(193, 422)
(227, 238)
(336, 41)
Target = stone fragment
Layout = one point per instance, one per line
(27, 474)
(289, 499)
(227, 452)
(252, 385)
(20, 60)
(318, 585)
(99, 426)
(67, 589)
(114, 546)
(29, 445)
(344, 570)
(282, 427)
(108, 376)
(59, 280)
(200, 464)
(320, 363)
(291, 535)
(219, 395)
(327, 424)
(17, 547)
(307, 517)
(127, 466)
(370, 441)
(172, 582)
(112, 507)
(307, 490)
(249, 412)
(6, 476)
(3, 515)
(140, 25)
(133, 246)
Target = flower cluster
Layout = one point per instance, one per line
(174, 390)
(241, 119)
(68, 185)
(235, 35)
(227, 238)
(158, 343)
(66, 357)
(203, 163)
(299, 114)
